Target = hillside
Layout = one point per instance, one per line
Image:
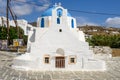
(92, 30)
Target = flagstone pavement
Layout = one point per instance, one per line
(7, 73)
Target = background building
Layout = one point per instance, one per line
(21, 23)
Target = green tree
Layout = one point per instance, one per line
(115, 41)
(25, 39)
(13, 34)
(105, 40)
(3, 33)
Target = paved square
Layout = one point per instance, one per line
(6, 73)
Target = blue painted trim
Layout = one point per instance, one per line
(72, 23)
(58, 20)
(42, 23)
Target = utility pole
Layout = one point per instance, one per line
(15, 21)
(7, 14)
(9, 10)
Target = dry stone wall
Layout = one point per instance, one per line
(102, 52)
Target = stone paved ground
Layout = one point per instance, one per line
(6, 73)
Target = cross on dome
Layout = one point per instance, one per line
(59, 4)
(55, 4)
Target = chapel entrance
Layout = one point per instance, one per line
(60, 62)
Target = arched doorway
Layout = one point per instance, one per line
(60, 58)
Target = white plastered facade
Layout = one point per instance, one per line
(58, 41)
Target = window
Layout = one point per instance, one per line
(42, 23)
(59, 12)
(72, 59)
(47, 60)
(60, 30)
(72, 23)
(58, 20)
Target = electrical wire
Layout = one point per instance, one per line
(12, 6)
(88, 12)
(12, 10)
(32, 3)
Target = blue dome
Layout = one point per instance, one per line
(48, 12)
(68, 14)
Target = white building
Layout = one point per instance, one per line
(56, 44)
(21, 23)
(3, 21)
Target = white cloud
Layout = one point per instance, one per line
(84, 21)
(113, 22)
(22, 0)
(23, 9)
(19, 8)
(42, 8)
(45, 3)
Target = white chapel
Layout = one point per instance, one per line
(57, 44)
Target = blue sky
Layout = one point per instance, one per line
(31, 12)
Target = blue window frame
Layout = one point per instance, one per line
(72, 23)
(42, 23)
(58, 20)
(59, 12)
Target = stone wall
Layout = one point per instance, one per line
(102, 52)
(3, 44)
